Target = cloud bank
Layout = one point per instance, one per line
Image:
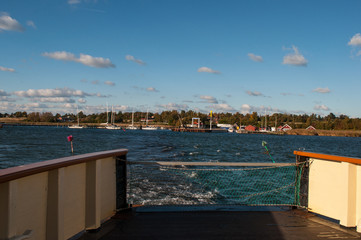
(322, 90)
(151, 89)
(109, 83)
(355, 40)
(295, 58)
(3, 93)
(321, 107)
(173, 106)
(31, 24)
(8, 23)
(6, 69)
(52, 93)
(208, 99)
(133, 59)
(255, 94)
(255, 58)
(84, 59)
(222, 107)
(208, 70)
(73, 2)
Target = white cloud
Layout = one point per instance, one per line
(73, 2)
(255, 57)
(6, 69)
(54, 99)
(148, 89)
(295, 58)
(4, 96)
(51, 93)
(355, 40)
(3, 93)
(6, 99)
(151, 89)
(133, 59)
(322, 90)
(35, 105)
(100, 95)
(173, 106)
(292, 94)
(208, 70)
(208, 99)
(321, 107)
(255, 94)
(65, 56)
(81, 100)
(246, 108)
(109, 83)
(97, 62)
(85, 59)
(223, 107)
(9, 24)
(31, 24)
(87, 109)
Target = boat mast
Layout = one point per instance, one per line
(112, 117)
(77, 110)
(146, 120)
(133, 118)
(107, 114)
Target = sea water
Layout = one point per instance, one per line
(21, 145)
(28, 144)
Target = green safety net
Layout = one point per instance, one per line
(203, 185)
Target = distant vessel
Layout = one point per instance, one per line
(112, 126)
(148, 127)
(78, 125)
(132, 127)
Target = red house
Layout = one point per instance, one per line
(284, 128)
(310, 128)
(250, 128)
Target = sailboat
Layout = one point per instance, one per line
(78, 125)
(132, 127)
(103, 125)
(112, 126)
(148, 127)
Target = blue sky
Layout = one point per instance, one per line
(226, 56)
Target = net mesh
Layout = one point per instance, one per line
(219, 185)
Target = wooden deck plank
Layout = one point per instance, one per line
(219, 225)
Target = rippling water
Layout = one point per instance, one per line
(153, 185)
(24, 144)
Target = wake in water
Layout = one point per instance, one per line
(160, 185)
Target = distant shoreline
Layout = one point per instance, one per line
(330, 133)
(295, 132)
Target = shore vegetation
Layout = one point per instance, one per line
(178, 118)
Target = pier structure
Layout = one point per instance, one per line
(70, 197)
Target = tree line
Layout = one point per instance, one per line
(180, 118)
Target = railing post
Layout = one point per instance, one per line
(55, 205)
(121, 184)
(302, 182)
(7, 209)
(93, 195)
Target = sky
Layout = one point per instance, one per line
(279, 56)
